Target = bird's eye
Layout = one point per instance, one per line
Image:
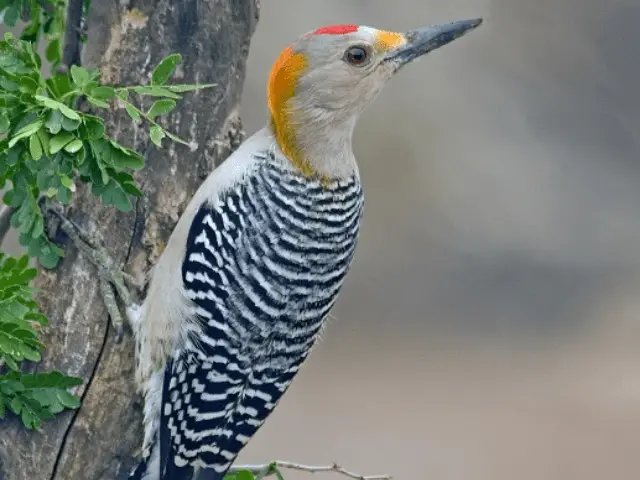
(358, 55)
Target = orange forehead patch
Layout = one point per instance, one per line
(389, 40)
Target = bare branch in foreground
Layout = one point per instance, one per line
(5, 219)
(269, 469)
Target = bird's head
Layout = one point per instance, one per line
(319, 85)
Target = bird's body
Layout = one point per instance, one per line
(258, 258)
(265, 256)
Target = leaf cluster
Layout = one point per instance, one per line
(34, 397)
(49, 145)
(43, 20)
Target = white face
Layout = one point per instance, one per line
(345, 72)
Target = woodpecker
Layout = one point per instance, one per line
(256, 262)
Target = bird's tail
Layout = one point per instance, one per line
(147, 468)
(139, 471)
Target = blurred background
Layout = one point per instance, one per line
(489, 326)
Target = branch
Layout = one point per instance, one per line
(71, 49)
(270, 468)
(5, 220)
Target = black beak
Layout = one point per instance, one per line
(422, 40)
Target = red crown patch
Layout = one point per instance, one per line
(336, 30)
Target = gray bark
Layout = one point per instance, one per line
(100, 440)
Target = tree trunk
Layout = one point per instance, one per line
(100, 440)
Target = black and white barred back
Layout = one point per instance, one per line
(263, 266)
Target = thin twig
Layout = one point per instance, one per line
(335, 468)
(5, 220)
(173, 137)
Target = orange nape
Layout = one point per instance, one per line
(281, 88)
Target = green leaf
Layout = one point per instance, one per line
(156, 134)
(28, 85)
(101, 149)
(55, 105)
(26, 131)
(63, 195)
(133, 113)
(31, 32)
(29, 420)
(244, 475)
(70, 125)
(44, 139)
(34, 316)
(79, 75)
(132, 189)
(33, 55)
(97, 102)
(103, 93)
(73, 146)
(15, 64)
(127, 159)
(15, 405)
(44, 179)
(10, 16)
(161, 107)
(48, 259)
(128, 184)
(113, 194)
(38, 227)
(8, 85)
(54, 122)
(67, 399)
(61, 85)
(31, 355)
(95, 127)
(52, 53)
(15, 197)
(9, 385)
(12, 336)
(10, 362)
(67, 112)
(59, 141)
(5, 123)
(154, 91)
(35, 148)
(67, 182)
(165, 69)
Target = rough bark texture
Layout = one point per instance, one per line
(100, 440)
